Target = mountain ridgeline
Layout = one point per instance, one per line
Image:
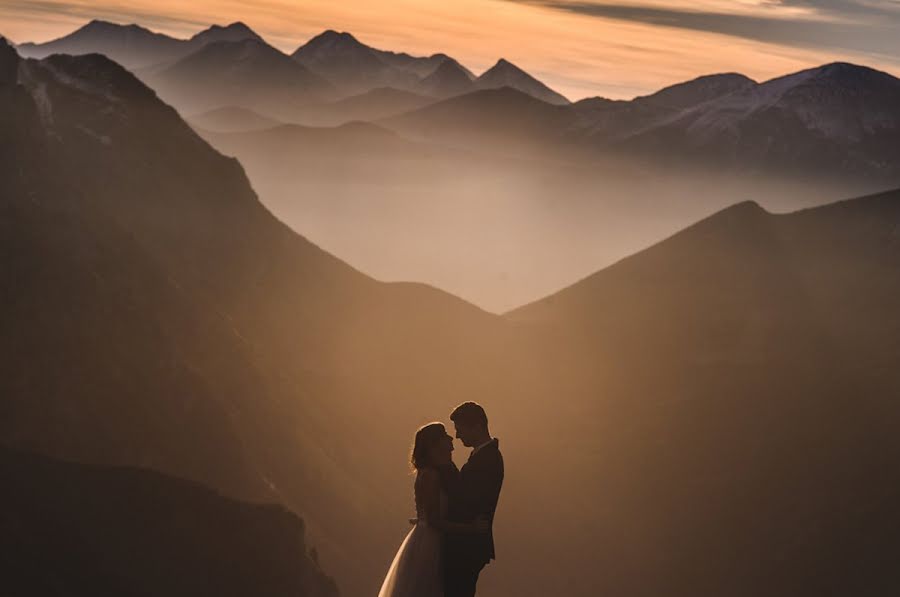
(713, 415)
(838, 120)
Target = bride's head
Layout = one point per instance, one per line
(432, 447)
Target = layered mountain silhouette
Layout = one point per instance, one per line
(249, 73)
(73, 529)
(231, 119)
(835, 119)
(351, 65)
(372, 105)
(357, 68)
(133, 46)
(503, 120)
(506, 74)
(448, 79)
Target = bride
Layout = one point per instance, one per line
(417, 568)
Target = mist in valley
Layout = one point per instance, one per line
(497, 230)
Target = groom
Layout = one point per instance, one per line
(473, 495)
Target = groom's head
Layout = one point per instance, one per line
(471, 424)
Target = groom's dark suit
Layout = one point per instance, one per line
(473, 493)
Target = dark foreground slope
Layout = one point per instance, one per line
(731, 405)
(72, 529)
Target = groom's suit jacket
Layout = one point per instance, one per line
(474, 494)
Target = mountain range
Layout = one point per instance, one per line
(348, 65)
(711, 415)
(134, 46)
(250, 73)
(838, 120)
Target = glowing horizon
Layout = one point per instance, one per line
(581, 49)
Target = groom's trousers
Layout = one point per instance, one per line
(460, 581)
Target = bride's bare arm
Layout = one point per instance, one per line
(428, 487)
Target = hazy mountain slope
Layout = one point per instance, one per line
(697, 91)
(122, 531)
(737, 396)
(130, 45)
(421, 66)
(352, 66)
(294, 144)
(505, 121)
(606, 121)
(75, 277)
(249, 74)
(476, 196)
(356, 68)
(375, 104)
(506, 74)
(133, 46)
(231, 119)
(448, 79)
(156, 314)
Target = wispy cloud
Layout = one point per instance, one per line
(865, 27)
(79, 12)
(854, 9)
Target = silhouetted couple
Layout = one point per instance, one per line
(452, 540)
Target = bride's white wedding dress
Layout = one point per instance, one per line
(416, 569)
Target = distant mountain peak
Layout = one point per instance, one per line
(332, 33)
(745, 207)
(101, 26)
(842, 67)
(332, 39)
(236, 31)
(237, 50)
(235, 26)
(506, 74)
(843, 71)
(505, 65)
(699, 90)
(449, 78)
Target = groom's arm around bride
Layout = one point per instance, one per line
(473, 494)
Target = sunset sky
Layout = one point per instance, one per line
(619, 48)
